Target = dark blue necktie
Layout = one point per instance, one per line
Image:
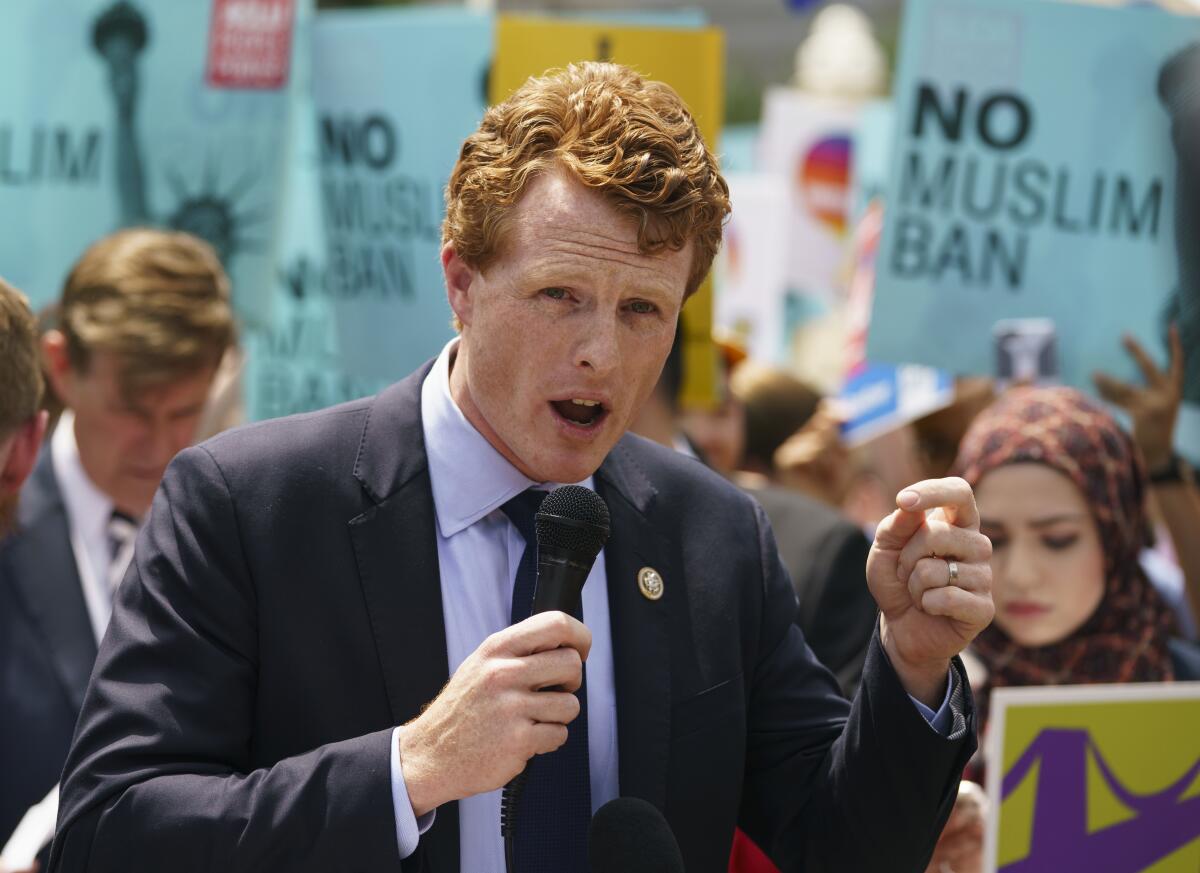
(555, 807)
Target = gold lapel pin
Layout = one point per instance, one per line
(650, 583)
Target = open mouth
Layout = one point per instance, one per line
(581, 413)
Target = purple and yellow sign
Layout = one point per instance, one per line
(1095, 778)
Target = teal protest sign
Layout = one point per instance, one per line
(293, 362)
(396, 92)
(1034, 177)
(873, 144)
(152, 112)
(343, 257)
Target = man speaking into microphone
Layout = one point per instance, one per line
(319, 660)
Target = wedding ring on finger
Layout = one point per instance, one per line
(952, 566)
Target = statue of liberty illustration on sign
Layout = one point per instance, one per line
(146, 112)
(1034, 177)
(208, 209)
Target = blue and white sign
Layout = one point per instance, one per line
(880, 397)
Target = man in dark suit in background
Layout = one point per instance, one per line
(826, 558)
(824, 553)
(311, 665)
(145, 316)
(21, 428)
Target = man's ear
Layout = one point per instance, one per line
(22, 453)
(58, 364)
(460, 277)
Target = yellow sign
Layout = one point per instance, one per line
(690, 60)
(1101, 777)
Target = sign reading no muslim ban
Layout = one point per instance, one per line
(387, 141)
(358, 299)
(1034, 177)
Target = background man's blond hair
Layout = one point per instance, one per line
(629, 138)
(158, 300)
(20, 369)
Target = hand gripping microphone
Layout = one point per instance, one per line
(572, 527)
(629, 835)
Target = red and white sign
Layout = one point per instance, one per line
(250, 43)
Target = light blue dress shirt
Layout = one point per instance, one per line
(478, 553)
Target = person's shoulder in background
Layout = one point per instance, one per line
(826, 557)
(813, 520)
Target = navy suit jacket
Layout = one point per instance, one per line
(284, 612)
(47, 647)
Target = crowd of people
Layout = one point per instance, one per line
(1093, 528)
(1094, 553)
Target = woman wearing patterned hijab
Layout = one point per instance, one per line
(1061, 491)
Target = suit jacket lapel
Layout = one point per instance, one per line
(41, 565)
(395, 545)
(640, 630)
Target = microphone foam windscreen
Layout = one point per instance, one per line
(629, 835)
(573, 518)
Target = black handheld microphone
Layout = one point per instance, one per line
(630, 835)
(572, 527)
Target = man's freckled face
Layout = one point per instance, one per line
(569, 309)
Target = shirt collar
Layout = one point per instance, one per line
(470, 478)
(88, 508)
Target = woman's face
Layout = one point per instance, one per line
(1047, 562)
